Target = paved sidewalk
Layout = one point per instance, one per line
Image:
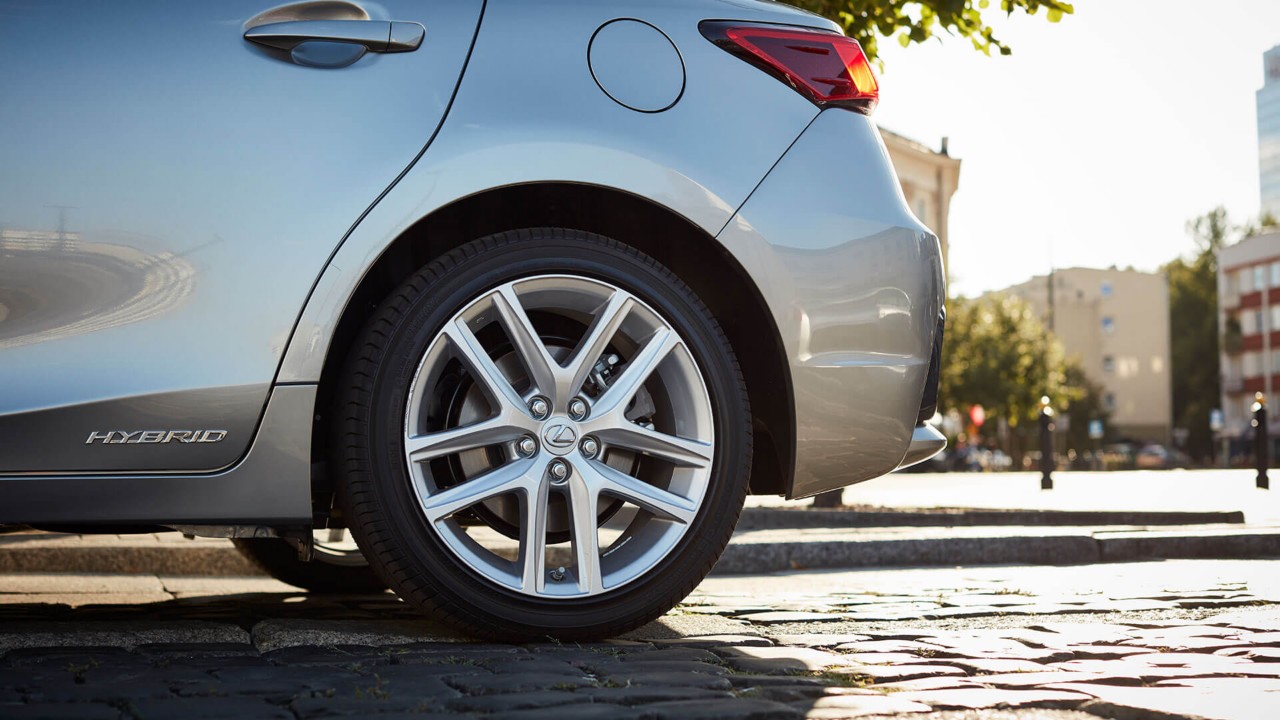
(1139, 640)
(1138, 490)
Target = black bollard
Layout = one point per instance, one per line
(1261, 441)
(1046, 444)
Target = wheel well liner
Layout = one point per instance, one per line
(698, 258)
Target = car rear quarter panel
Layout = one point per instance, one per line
(855, 284)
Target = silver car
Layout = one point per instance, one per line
(504, 305)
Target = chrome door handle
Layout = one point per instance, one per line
(374, 35)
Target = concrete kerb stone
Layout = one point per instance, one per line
(276, 634)
(122, 634)
(1252, 543)
(750, 551)
(107, 555)
(765, 518)
(748, 557)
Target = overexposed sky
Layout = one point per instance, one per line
(1097, 139)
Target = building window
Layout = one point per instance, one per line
(1106, 288)
(1248, 323)
(1275, 317)
(1259, 321)
(1109, 400)
(1259, 277)
(1245, 280)
(1108, 324)
(1275, 361)
(1251, 365)
(1275, 275)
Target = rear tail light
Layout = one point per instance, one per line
(828, 68)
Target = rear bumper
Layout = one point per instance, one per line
(926, 442)
(855, 284)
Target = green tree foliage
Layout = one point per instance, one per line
(1193, 312)
(1000, 356)
(915, 21)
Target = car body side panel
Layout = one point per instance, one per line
(170, 192)
(529, 111)
(271, 486)
(855, 285)
(159, 432)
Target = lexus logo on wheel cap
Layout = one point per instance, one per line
(560, 436)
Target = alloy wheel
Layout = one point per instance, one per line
(563, 413)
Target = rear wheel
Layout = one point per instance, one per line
(543, 433)
(337, 565)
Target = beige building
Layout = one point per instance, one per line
(1117, 323)
(929, 178)
(1249, 326)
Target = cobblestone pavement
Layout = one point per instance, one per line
(1139, 640)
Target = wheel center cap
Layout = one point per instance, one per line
(559, 436)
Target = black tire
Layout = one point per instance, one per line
(280, 559)
(374, 489)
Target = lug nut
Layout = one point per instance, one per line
(540, 408)
(590, 446)
(559, 471)
(527, 446)
(577, 408)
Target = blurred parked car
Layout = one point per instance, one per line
(1158, 457)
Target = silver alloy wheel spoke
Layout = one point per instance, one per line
(468, 437)
(602, 330)
(533, 540)
(584, 511)
(664, 504)
(499, 459)
(482, 367)
(533, 353)
(676, 450)
(638, 370)
(504, 479)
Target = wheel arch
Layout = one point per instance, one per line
(697, 257)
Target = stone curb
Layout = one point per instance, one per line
(210, 559)
(748, 558)
(1120, 546)
(748, 553)
(1070, 548)
(766, 518)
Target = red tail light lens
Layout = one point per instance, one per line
(829, 69)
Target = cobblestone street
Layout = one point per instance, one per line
(1141, 640)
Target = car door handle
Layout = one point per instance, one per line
(375, 35)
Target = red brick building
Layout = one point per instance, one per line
(1248, 326)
